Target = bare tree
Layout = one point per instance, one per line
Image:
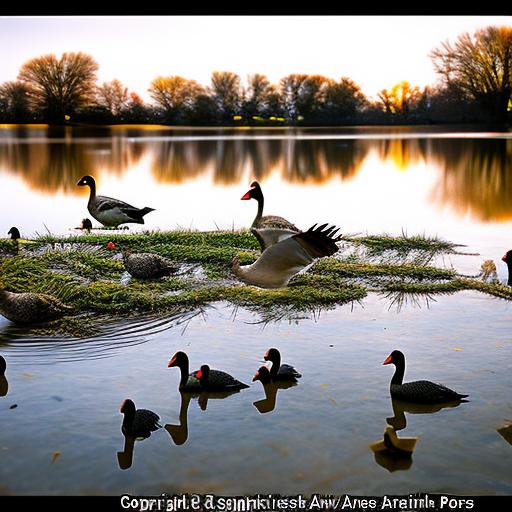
(480, 67)
(174, 94)
(14, 101)
(113, 96)
(226, 90)
(58, 87)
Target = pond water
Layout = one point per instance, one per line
(59, 406)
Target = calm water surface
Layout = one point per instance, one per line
(64, 437)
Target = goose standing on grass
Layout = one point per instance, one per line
(31, 308)
(507, 258)
(216, 380)
(145, 265)
(138, 423)
(280, 371)
(268, 229)
(419, 391)
(280, 262)
(111, 212)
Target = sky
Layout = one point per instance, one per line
(374, 51)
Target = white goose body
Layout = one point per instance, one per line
(280, 262)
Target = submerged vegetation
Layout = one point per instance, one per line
(83, 273)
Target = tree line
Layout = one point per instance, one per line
(475, 86)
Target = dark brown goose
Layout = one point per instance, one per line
(146, 265)
(31, 308)
(138, 423)
(15, 233)
(111, 212)
(217, 380)
(280, 262)
(268, 229)
(280, 371)
(419, 391)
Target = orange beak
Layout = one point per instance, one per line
(247, 195)
(387, 360)
(171, 362)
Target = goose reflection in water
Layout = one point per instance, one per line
(270, 387)
(179, 433)
(137, 425)
(395, 453)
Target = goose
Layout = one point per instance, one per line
(419, 391)
(268, 229)
(111, 212)
(138, 423)
(188, 381)
(31, 308)
(146, 265)
(280, 371)
(216, 380)
(15, 233)
(3, 366)
(280, 262)
(507, 258)
(86, 224)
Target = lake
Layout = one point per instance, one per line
(59, 407)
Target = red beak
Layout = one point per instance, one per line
(256, 377)
(504, 258)
(247, 195)
(387, 360)
(171, 362)
(199, 374)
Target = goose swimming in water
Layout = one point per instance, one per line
(111, 212)
(420, 391)
(280, 371)
(216, 380)
(280, 262)
(138, 423)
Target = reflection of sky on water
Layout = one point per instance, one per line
(373, 180)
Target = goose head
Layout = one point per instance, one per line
(273, 355)
(86, 181)
(507, 257)
(15, 233)
(396, 357)
(253, 193)
(203, 374)
(263, 375)
(127, 407)
(180, 359)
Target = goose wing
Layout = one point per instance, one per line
(269, 236)
(104, 203)
(280, 262)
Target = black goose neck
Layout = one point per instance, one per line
(276, 363)
(183, 366)
(258, 195)
(398, 376)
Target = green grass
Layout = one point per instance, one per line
(84, 274)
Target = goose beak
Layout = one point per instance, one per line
(171, 362)
(504, 258)
(198, 374)
(256, 377)
(387, 360)
(247, 195)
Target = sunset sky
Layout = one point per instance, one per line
(375, 51)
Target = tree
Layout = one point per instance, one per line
(479, 66)
(257, 95)
(226, 91)
(401, 99)
(113, 96)
(175, 95)
(14, 101)
(343, 99)
(59, 87)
